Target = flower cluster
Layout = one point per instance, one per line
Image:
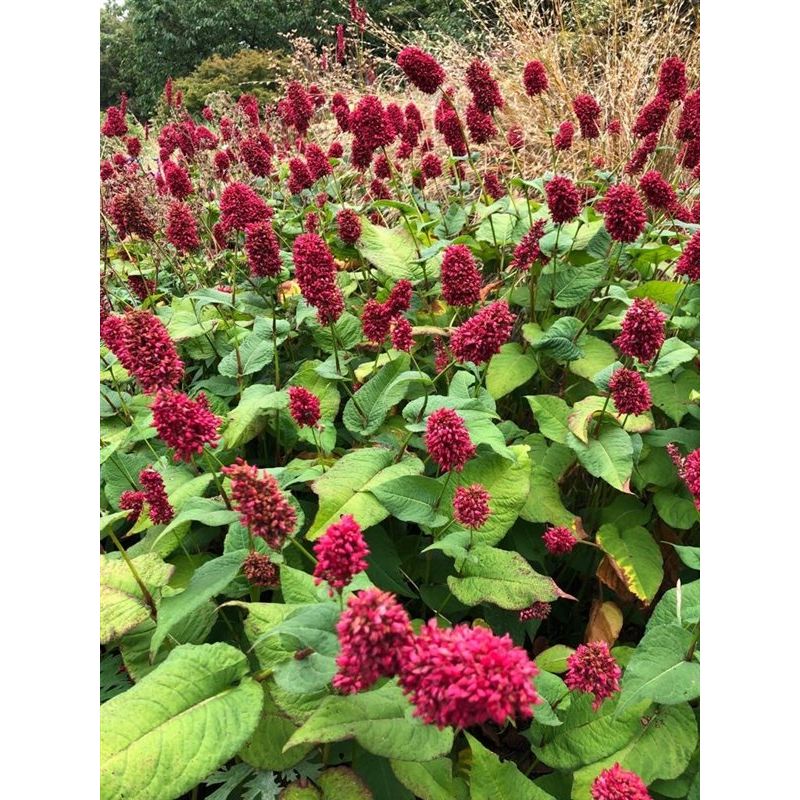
(481, 336)
(263, 249)
(485, 91)
(143, 346)
(619, 784)
(538, 610)
(527, 252)
(303, 406)
(461, 280)
(374, 633)
(558, 540)
(563, 199)
(447, 440)
(161, 512)
(588, 111)
(623, 212)
(689, 262)
(423, 70)
(260, 571)
(261, 504)
(688, 470)
(185, 425)
(534, 78)
(315, 270)
(642, 331)
(629, 391)
(465, 676)
(239, 206)
(341, 553)
(471, 506)
(592, 669)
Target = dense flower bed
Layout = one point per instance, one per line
(400, 446)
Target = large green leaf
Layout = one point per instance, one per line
(346, 487)
(680, 606)
(178, 724)
(381, 721)
(558, 341)
(677, 511)
(122, 603)
(208, 581)
(391, 250)
(365, 412)
(662, 748)
(587, 736)
(544, 503)
(572, 284)
(501, 577)
(637, 556)
(508, 483)
(430, 780)
(254, 352)
(609, 456)
(491, 779)
(412, 498)
(673, 397)
(674, 352)
(509, 369)
(264, 748)
(597, 355)
(551, 414)
(248, 419)
(590, 408)
(659, 671)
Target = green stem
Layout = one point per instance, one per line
(148, 598)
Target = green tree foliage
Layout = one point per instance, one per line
(116, 47)
(257, 72)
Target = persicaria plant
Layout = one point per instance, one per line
(400, 450)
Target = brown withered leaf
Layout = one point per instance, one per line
(489, 288)
(610, 574)
(605, 622)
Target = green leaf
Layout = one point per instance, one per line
(508, 484)
(346, 487)
(590, 408)
(609, 456)
(666, 612)
(673, 397)
(391, 250)
(365, 412)
(264, 748)
(638, 557)
(412, 498)
(509, 369)
(208, 581)
(554, 659)
(674, 352)
(551, 414)
(248, 419)
(135, 646)
(178, 724)
(689, 555)
(254, 353)
(659, 671)
(572, 284)
(496, 228)
(552, 690)
(661, 291)
(544, 504)
(501, 577)
(381, 721)
(587, 736)
(678, 512)
(597, 355)
(341, 783)
(430, 780)
(122, 603)
(662, 748)
(491, 779)
(557, 341)
(348, 333)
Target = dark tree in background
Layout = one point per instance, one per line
(142, 42)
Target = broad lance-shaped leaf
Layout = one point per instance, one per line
(264, 748)
(501, 577)
(381, 721)
(587, 735)
(179, 723)
(208, 581)
(509, 369)
(585, 411)
(506, 480)
(551, 415)
(391, 250)
(430, 780)
(609, 456)
(412, 498)
(122, 603)
(636, 556)
(679, 606)
(659, 671)
(662, 748)
(346, 487)
(492, 779)
(248, 419)
(558, 340)
(367, 409)
(544, 504)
